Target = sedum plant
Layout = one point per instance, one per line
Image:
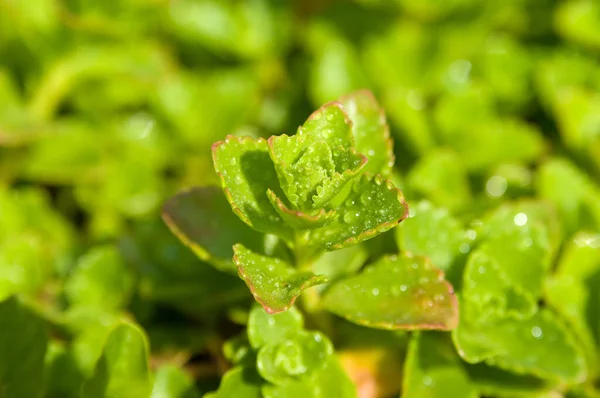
(289, 207)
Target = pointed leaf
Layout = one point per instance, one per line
(370, 130)
(247, 172)
(293, 358)
(433, 369)
(397, 292)
(300, 220)
(274, 283)
(264, 328)
(431, 231)
(239, 382)
(203, 220)
(122, 370)
(23, 342)
(373, 206)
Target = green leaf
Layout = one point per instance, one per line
(431, 231)
(373, 206)
(203, 220)
(246, 173)
(416, 297)
(274, 283)
(317, 162)
(264, 328)
(63, 378)
(440, 177)
(339, 263)
(577, 200)
(573, 290)
(100, 280)
(331, 124)
(540, 345)
(370, 130)
(500, 383)
(433, 369)
(122, 369)
(238, 351)
(330, 381)
(23, 342)
(239, 382)
(172, 382)
(293, 358)
(297, 219)
(487, 288)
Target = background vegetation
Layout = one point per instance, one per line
(108, 108)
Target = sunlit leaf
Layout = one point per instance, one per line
(397, 292)
(274, 283)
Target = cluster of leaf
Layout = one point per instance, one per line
(110, 108)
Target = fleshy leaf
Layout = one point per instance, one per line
(341, 262)
(500, 383)
(331, 124)
(300, 220)
(431, 231)
(23, 342)
(173, 382)
(246, 173)
(487, 287)
(370, 130)
(239, 382)
(440, 177)
(573, 289)
(264, 328)
(397, 292)
(540, 345)
(302, 162)
(433, 369)
(330, 381)
(293, 358)
(373, 206)
(122, 370)
(203, 220)
(274, 283)
(100, 280)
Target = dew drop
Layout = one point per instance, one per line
(271, 321)
(427, 380)
(520, 219)
(375, 292)
(350, 217)
(496, 186)
(464, 248)
(350, 202)
(537, 332)
(481, 269)
(329, 116)
(403, 287)
(365, 198)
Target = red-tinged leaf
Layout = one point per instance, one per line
(370, 130)
(300, 220)
(247, 172)
(274, 283)
(397, 292)
(203, 220)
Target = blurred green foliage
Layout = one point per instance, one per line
(108, 108)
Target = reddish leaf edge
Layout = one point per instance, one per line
(389, 143)
(271, 310)
(366, 235)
